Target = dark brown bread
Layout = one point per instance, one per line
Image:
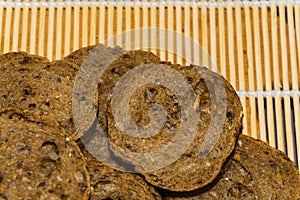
(256, 171)
(34, 84)
(110, 183)
(188, 172)
(39, 160)
(78, 56)
(113, 74)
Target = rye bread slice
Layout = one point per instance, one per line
(39, 160)
(256, 171)
(110, 183)
(32, 83)
(112, 74)
(191, 170)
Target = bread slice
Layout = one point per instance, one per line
(39, 160)
(256, 171)
(200, 163)
(32, 83)
(110, 183)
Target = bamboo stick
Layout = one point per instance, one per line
(67, 42)
(297, 24)
(76, 28)
(170, 38)
(295, 86)
(277, 82)
(93, 27)
(50, 33)
(119, 23)
(222, 40)
(41, 41)
(196, 37)
(179, 44)
(32, 46)
(85, 22)
(24, 29)
(110, 26)
(204, 34)
(128, 44)
(15, 42)
(153, 40)
(267, 64)
(7, 27)
(137, 27)
(102, 21)
(287, 104)
(145, 33)
(258, 69)
(58, 52)
(240, 56)
(187, 50)
(296, 105)
(251, 80)
(231, 47)
(213, 44)
(162, 35)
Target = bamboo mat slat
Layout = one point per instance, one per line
(240, 65)
(269, 105)
(256, 46)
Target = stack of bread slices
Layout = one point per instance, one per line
(43, 152)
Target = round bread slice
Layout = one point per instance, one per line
(39, 160)
(112, 74)
(32, 83)
(256, 171)
(199, 164)
(107, 182)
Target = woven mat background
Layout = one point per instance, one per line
(255, 45)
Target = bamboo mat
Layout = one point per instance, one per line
(255, 46)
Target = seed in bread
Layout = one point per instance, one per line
(190, 171)
(39, 160)
(109, 181)
(256, 171)
(32, 83)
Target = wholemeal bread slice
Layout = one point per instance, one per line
(34, 84)
(256, 171)
(39, 160)
(110, 183)
(200, 163)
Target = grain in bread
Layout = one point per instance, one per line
(255, 171)
(39, 160)
(188, 172)
(110, 181)
(77, 57)
(32, 83)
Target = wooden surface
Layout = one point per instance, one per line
(256, 48)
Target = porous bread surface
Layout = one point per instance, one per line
(188, 172)
(77, 57)
(112, 75)
(32, 83)
(256, 171)
(40, 160)
(109, 181)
